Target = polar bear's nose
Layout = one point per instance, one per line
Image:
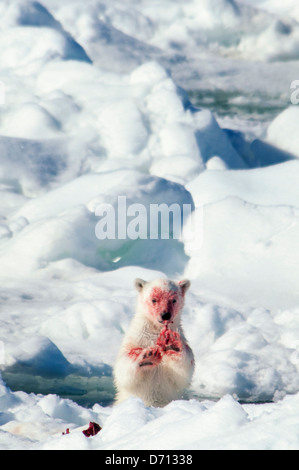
(166, 316)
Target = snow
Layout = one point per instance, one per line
(224, 425)
(163, 102)
(282, 132)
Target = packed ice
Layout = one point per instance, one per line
(184, 103)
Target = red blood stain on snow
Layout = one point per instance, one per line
(92, 430)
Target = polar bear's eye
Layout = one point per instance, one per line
(174, 301)
(154, 301)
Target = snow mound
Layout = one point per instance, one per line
(113, 48)
(29, 121)
(58, 230)
(202, 42)
(276, 185)
(246, 262)
(22, 13)
(38, 356)
(157, 121)
(29, 34)
(283, 131)
(141, 121)
(280, 41)
(243, 352)
(288, 7)
(227, 25)
(32, 167)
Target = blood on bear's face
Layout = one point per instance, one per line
(163, 305)
(161, 300)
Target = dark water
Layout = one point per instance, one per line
(223, 103)
(84, 390)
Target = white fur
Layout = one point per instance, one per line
(160, 384)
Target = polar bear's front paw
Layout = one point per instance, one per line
(151, 357)
(170, 342)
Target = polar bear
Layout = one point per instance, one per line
(155, 362)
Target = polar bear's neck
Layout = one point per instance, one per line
(145, 332)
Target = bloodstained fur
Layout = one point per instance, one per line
(168, 342)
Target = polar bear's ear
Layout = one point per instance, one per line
(184, 285)
(139, 284)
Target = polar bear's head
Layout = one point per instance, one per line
(161, 300)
